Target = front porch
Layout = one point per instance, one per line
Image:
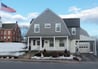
(49, 43)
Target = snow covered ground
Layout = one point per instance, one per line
(60, 57)
(12, 48)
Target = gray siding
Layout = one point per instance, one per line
(77, 36)
(73, 23)
(48, 17)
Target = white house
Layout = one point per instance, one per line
(49, 31)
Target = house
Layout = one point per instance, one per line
(52, 33)
(10, 32)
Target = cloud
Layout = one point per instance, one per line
(8, 17)
(33, 15)
(74, 9)
(19, 17)
(22, 20)
(90, 15)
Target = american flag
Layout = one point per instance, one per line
(6, 8)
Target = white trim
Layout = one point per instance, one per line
(36, 26)
(46, 36)
(73, 31)
(47, 25)
(28, 42)
(54, 41)
(56, 26)
(95, 48)
(40, 43)
(67, 43)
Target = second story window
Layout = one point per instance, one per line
(58, 27)
(9, 32)
(47, 25)
(73, 31)
(36, 28)
(4, 32)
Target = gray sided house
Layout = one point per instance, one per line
(52, 33)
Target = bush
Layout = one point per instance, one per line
(66, 53)
(38, 54)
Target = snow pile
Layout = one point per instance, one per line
(11, 53)
(60, 57)
(12, 48)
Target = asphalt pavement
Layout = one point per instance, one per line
(47, 65)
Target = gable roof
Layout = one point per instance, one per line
(48, 17)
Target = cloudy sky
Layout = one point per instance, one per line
(86, 10)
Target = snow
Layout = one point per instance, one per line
(60, 57)
(11, 53)
(12, 49)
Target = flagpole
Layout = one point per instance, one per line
(0, 16)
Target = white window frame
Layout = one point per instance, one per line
(5, 32)
(47, 25)
(9, 37)
(9, 32)
(73, 31)
(4, 37)
(61, 43)
(56, 26)
(36, 26)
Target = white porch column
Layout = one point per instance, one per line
(54, 41)
(28, 43)
(40, 43)
(95, 51)
(67, 43)
(78, 46)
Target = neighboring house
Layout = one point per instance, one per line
(49, 31)
(9, 32)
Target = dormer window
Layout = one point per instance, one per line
(73, 31)
(58, 27)
(36, 28)
(47, 25)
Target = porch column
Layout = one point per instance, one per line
(67, 43)
(54, 41)
(95, 51)
(78, 47)
(40, 43)
(28, 44)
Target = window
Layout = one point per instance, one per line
(9, 32)
(8, 37)
(1, 37)
(4, 37)
(57, 27)
(36, 28)
(47, 25)
(4, 32)
(61, 43)
(33, 42)
(51, 43)
(38, 42)
(1, 32)
(73, 31)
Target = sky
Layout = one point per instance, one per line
(86, 10)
